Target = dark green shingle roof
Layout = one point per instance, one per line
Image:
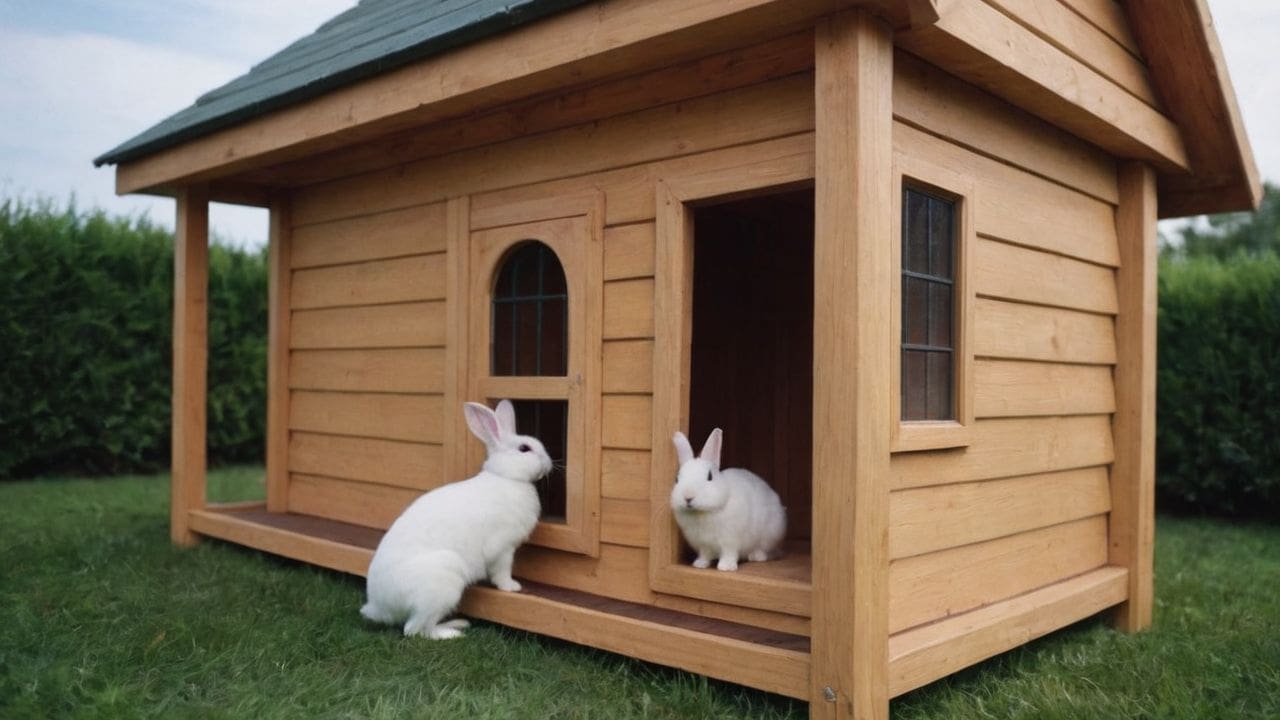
(371, 38)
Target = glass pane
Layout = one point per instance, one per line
(940, 315)
(938, 384)
(915, 231)
(548, 420)
(941, 237)
(913, 385)
(915, 311)
(530, 314)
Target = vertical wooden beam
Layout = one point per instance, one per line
(278, 315)
(190, 349)
(852, 346)
(1132, 525)
(458, 234)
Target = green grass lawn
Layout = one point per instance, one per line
(101, 617)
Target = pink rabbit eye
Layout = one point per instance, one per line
(708, 476)
(525, 448)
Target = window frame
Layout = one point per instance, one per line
(572, 227)
(917, 435)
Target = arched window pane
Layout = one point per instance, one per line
(530, 313)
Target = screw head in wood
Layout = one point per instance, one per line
(828, 694)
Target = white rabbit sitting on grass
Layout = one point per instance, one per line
(460, 533)
(724, 514)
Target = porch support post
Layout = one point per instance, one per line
(1132, 520)
(852, 262)
(190, 361)
(278, 315)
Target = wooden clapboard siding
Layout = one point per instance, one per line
(412, 231)
(1018, 207)
(927, 587)
(412, 324)
(418, 277)
(1010, 272)
(376, 415)
(627, 421)
(1062, 28)
(929, 99)
(758, 112)
(1031, 332)
(414, 465)
(624, 474)
(397, 370)
(628, 251)
(1005, 388)
(1008, 447)
(628, 309)
(1107, 16)
(358, 503)
(628, 366)
(624, 522)
(980, 44)
(930, 519)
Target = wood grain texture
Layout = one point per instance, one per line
(628, 251)
(1107, 16)
(930, 519)
(624, 474)
(1010, 447)
(395, 370)
(414, 465)
(1133, 475)
(414, 278)
(626, 421)
(624, 522)
(412, 324)
(280, 247)
(628, 366)
(294, 544)
(415, 230)
(358, 503)
(1031, 332)
(628, 309)
(190, 360)
(925, 588)
(388, 416)
(1018, 389)
(927, 653)
(853, 197)
(1010, 272)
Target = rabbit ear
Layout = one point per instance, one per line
(483, 423)
(711, 450)
(506, 413)
(684, 451)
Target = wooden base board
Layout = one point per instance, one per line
(764, 659)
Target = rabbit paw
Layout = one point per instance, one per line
(758, 556)
(508, 585)
(727, 564)
(442, 632)
(702, 562)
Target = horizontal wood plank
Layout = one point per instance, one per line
(1031, 332)
(388, 462)
(414, 324)
(924, 654)
(1004, 388)
(418, 277)
(624, 522)
(930, 519)
(925, 588)
(359, 503)
(628, 309)
(628, 366)
(627, 422)
(392, 417)
(624, 474)
(411, 231)
(1010, 272)
(628, 251)
(233, 527)
(397, 370)
(1010, 447)
(1107, 16)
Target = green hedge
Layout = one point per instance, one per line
(85, 344)
(1218, 438)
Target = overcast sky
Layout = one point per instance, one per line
(77, 77)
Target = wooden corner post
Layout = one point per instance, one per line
(1132, 523)
(190, 359)
(278, 315)
(852, 262)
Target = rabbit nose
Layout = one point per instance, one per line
(688, 500)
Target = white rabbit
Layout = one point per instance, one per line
(726, 513)
(459, 533)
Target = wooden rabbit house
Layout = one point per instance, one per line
(902, 251)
